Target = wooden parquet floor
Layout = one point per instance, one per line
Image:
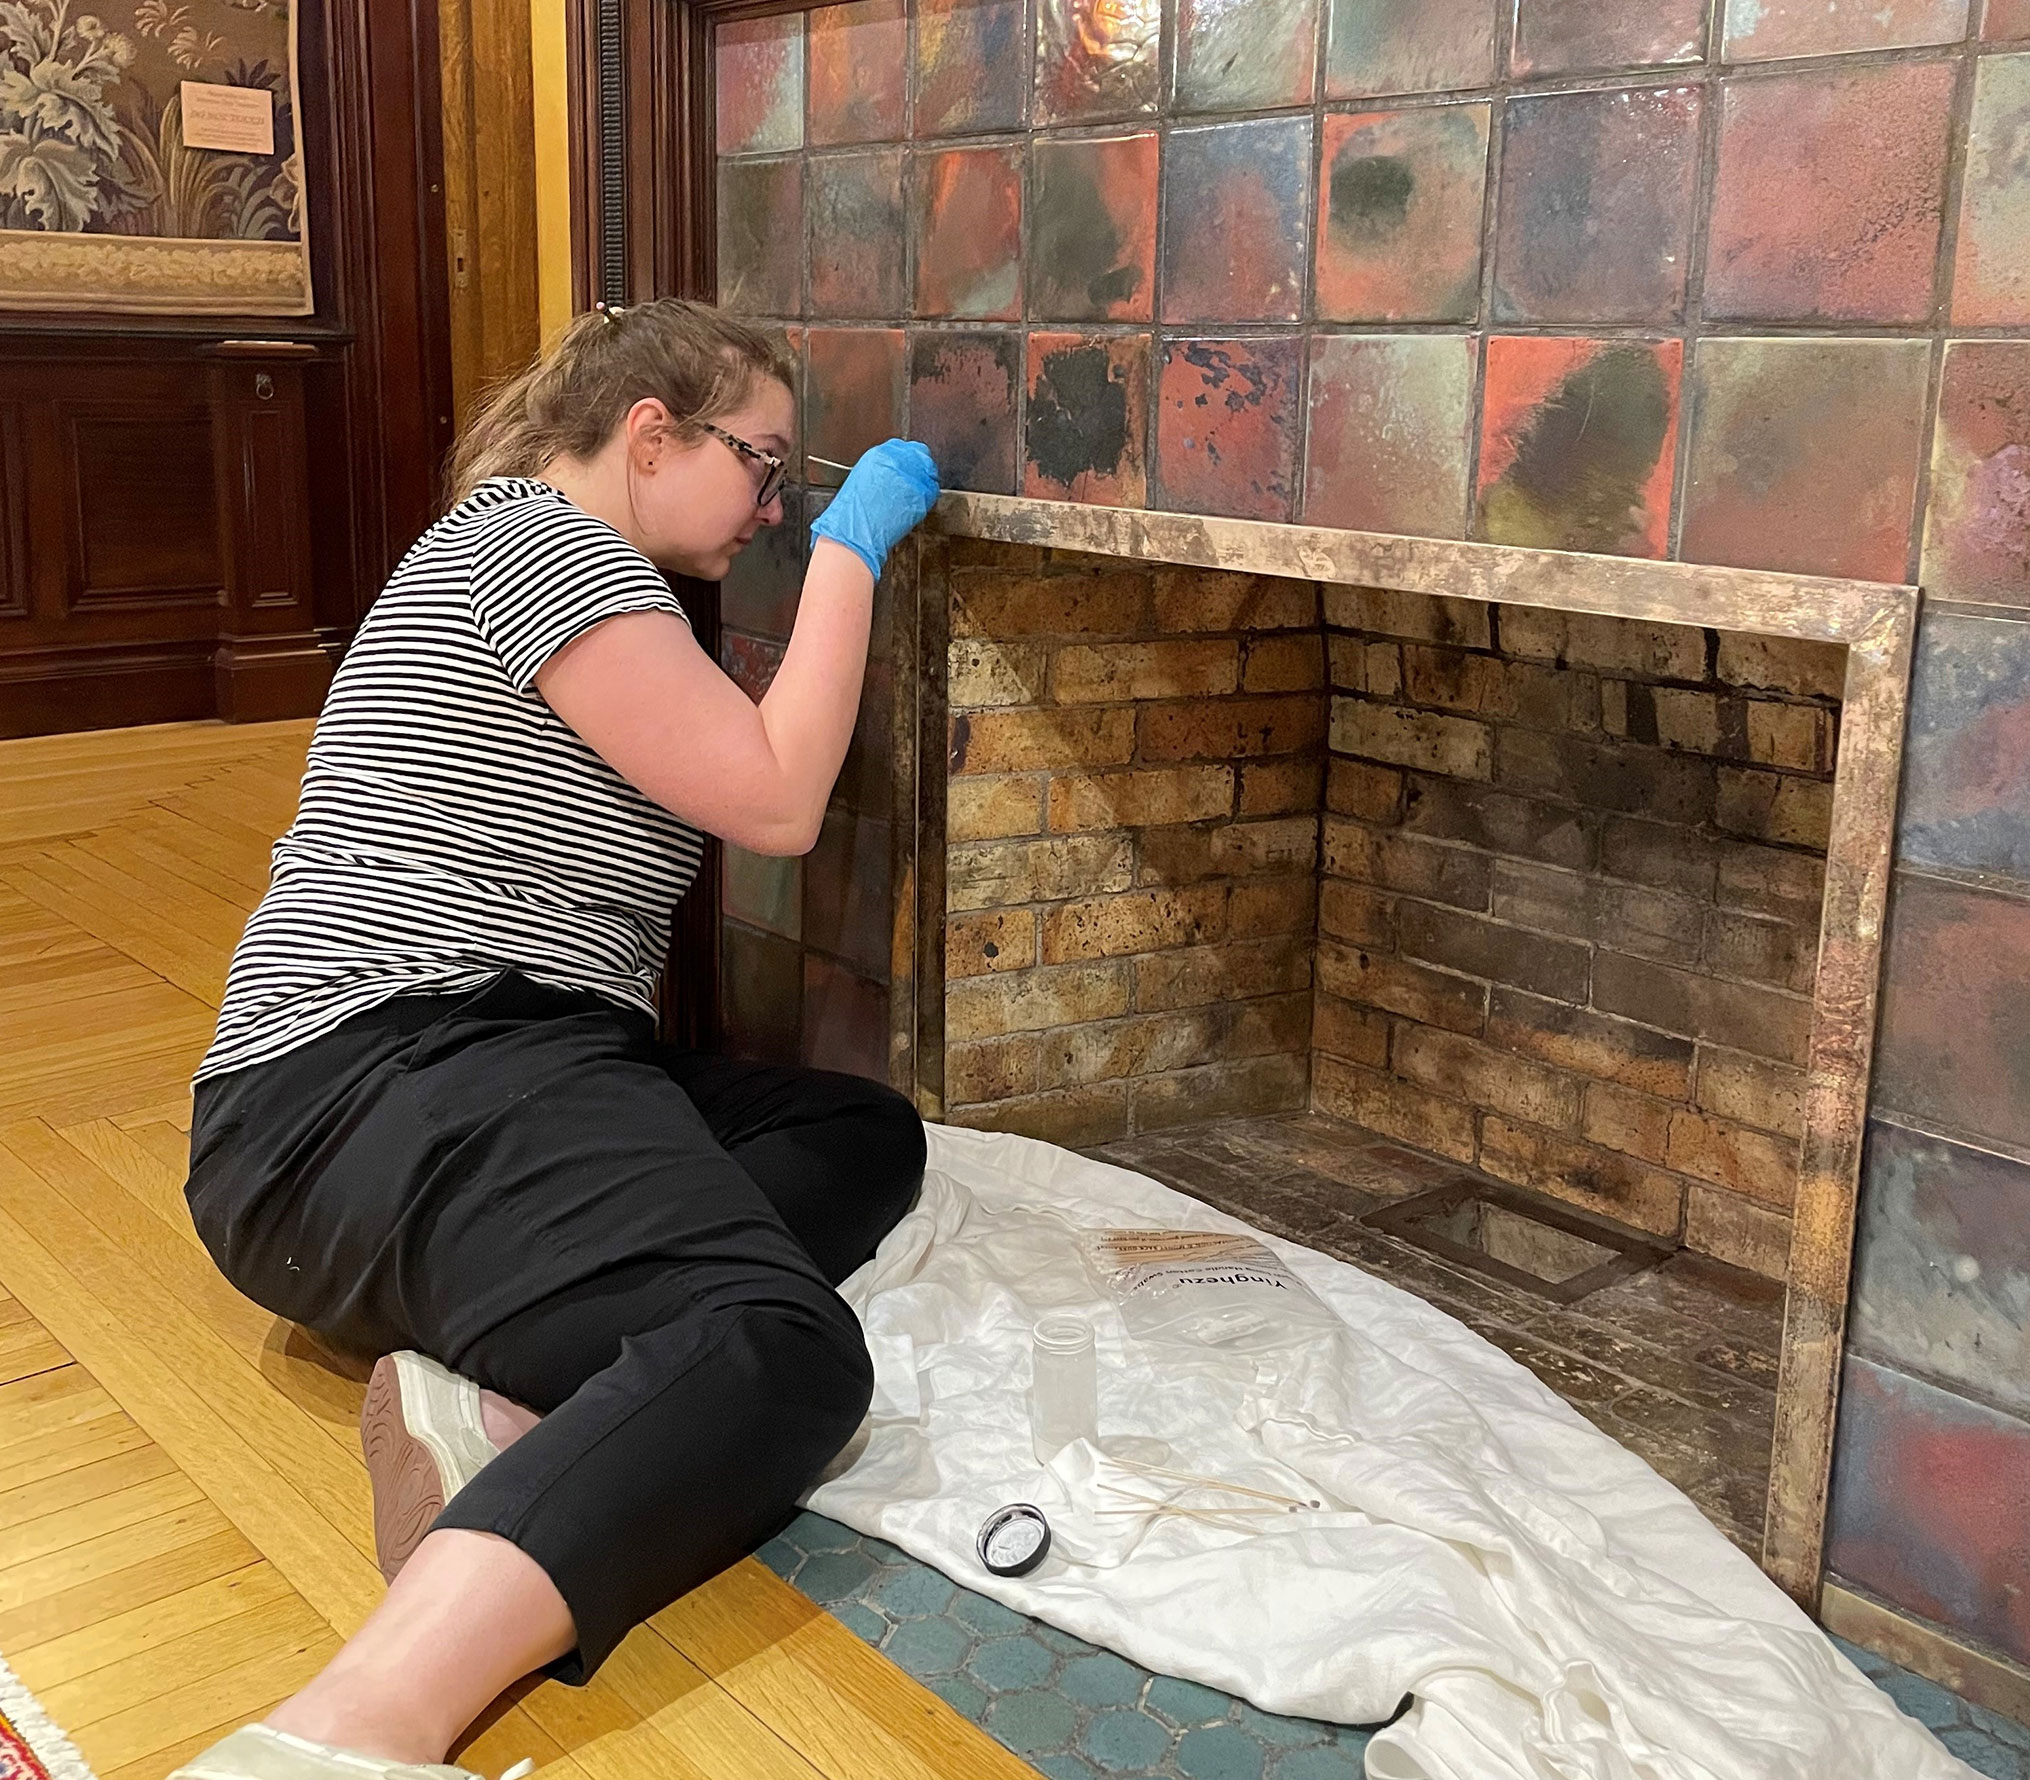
(185, 1524)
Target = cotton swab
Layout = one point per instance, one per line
(1217, 1483)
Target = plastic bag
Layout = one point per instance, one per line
(1204, 1286)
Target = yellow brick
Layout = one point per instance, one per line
(1272, 905)
(1000, 603)
(1278, 787)
(1358, 1034)
(1219, 599)
(1231, 729)
(1033, 1000)
(999, 1069)
(1776, 807)
(1617, 1186)
(1738, 1231)
(1618, 645)
(1081, 801)
(1113, 1049)
(1689, 720)
(1270, 1023)
(1395, 1108)
(1197, 976)
(1032, 741)
(1421, 617)
(982, 809)
(1732, 1156)
(1136, 921)
(1144, 670)
(993, 874)
(1783, 664)
(1464, 1069)
(1359, 788)
(1421, 739)
(1634, 1124)
(1243, 1088)
(1354, 913)
(1285, 664)
(993, 939)
(987, 673)
(1751, 1091)
(1798, 736)
(1072, 1117)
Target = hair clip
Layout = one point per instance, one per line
(610, 313)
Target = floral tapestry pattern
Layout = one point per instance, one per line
(103, 205)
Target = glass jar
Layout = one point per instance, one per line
(1064, 1386)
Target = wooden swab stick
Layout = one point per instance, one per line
(1239, 1489)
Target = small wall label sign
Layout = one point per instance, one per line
(238, 119)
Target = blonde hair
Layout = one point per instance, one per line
(699, 362)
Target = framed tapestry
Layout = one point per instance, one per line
(108, 203)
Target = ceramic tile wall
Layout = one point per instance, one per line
(1745, 283)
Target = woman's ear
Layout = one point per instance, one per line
(649, 433)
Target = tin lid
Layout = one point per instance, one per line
(1014, 1540)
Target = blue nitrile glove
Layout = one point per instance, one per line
(889, 491)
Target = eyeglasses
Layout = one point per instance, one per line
(773, 469)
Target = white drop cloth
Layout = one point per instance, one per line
(1558, 1610)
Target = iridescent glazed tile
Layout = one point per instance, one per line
(1991, 276)
(853, 390)
(1236, 204)
(1398, 229)
(1092, 228)
(1803, 455)
(969, 233)
(1578, 441)
(1766, 30)
(1580, 36)
(1827, 197)
(859, 60)
(1930, 1496)
(1228, 415)
(1391, 432)
(759, 593)
(845, 1020)
(1966, 753)
(760, 84)
(750, 662)
(853, 206)
(1377, 47)
(761, 233)
(1096, 58)
(1977, 529)
(760, 995)
(962, 406)
(1596, 206)
(2005, 21)
(1245, 55)
(1087, 432)
(972, 64)
(848, 912)
(762, 889)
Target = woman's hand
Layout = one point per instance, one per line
(881, 502)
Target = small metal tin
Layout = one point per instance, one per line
(1014, 1540)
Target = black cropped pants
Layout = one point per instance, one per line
(640, 1242)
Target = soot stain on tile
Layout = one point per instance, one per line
(1371, 198)
(1078, 415)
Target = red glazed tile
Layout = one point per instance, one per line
(2005, 21)
(972, 66)
(1826, 203)
(1579, 36)
(853, 393)
(760, 236)
(1391, 424)
(760, 995)
(1245, 55)
(1596, 206)
(1087, 437)
(1764, 30)
(1228, 416)
(1096, 58)
(1377, 47)
(1092, 230)
(1578, 442)
(750, 662)
(969, 233)
(845, 1020)
(962, 406)
(1398, 230)
(1236, 201)
(761, 84)
(1804, 455)
(1977, 532)
(853, 203)
(859, 57)
(1991, 277)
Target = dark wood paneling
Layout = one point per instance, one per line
(141, 507)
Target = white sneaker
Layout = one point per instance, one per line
(255, 1752)
(424, 1442)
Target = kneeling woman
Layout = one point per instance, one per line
(436, 1121)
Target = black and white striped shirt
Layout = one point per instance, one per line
(451, 825)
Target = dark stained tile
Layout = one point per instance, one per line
(760, 591)
(867, 780)
(1955, 1042)
(1991, 273)
(1228, 416)
(1942, 1266)
(1596, 206)
(859, 59)
(1391, 424)
(1579, 36)
(1804, 455)
(760, 235)
(1236, 202)
(1092, 229)
(972, 64)
(761, 84)
(1245, 55)
(1377, 47)
(760, 995)
(969, 233)
(1398, 228)
(1966, 758)
(2005, 21)
(1764, 30)
(847, 909)
(962, 406)
(1930, 1496)
(853, 395)
(750, 662)
(762, 890)
(1977, 527)
(1578, 443)
(1827, 198)
(853, 206)
(845, 1020)
(1096, 58)
(1087, 432)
